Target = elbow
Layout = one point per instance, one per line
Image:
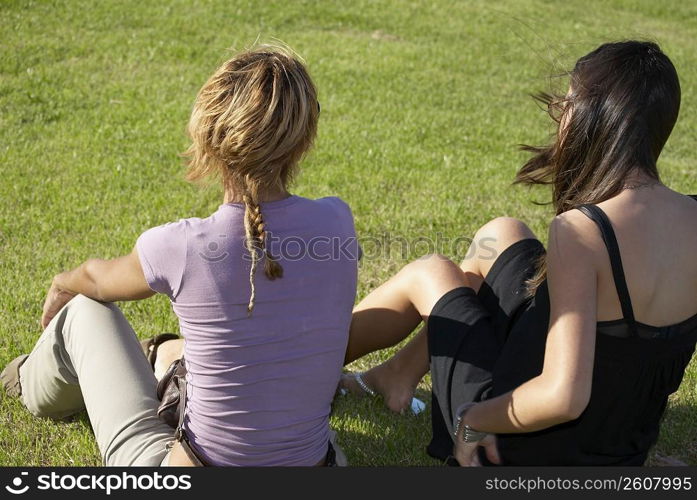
(573, 409)
(570, 403)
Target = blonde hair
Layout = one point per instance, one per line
(251, 124)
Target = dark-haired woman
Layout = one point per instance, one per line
(565, 356)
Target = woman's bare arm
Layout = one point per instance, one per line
(562, 391)
(104, 280)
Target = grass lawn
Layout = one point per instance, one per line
(423, 104)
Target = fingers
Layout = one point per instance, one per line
(50, 310)
(492, 450)
(48, 313)
(465, 453)
(492, 453)
(459, 453)
(46, 318)
(55, 300)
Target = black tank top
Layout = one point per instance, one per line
(636, 368)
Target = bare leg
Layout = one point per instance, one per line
(396, 379)
(489, 242)
(167, 353)
(392, 311)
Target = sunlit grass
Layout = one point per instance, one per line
(423, 104)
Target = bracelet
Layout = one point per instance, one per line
(468, 434)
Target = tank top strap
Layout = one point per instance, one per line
(597, 215)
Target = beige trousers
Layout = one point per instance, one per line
(89, 358)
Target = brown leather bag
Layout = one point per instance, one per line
(171, 391)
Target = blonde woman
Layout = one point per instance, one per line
(265, 322)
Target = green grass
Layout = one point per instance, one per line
(423, 104)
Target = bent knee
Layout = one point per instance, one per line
(83, 314)
(83, 304)
(428, 267)
(430, 262)
(84, 301)
(505, 228)
(501, 233)
(492, 239)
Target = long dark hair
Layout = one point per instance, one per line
(622, 104)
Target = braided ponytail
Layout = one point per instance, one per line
(255, 241)
(252, 122)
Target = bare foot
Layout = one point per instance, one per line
(395, 388)
(167, 353)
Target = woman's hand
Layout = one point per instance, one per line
(55, 300)
(103, 280)
(466, 453)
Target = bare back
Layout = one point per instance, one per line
(656, 230)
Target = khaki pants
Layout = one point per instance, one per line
(89, 358)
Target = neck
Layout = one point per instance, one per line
(639, 180)
(231, 196)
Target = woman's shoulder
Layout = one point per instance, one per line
(574, 239)
(328, 205)
(576, 227)
(335, 202)
(327, 215)
(177, 232)
(168, 228)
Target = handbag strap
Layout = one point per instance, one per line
(181, 406)
(179, 433)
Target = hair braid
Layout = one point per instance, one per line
(251, 124)
(255, 241)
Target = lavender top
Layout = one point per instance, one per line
(260, 387)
